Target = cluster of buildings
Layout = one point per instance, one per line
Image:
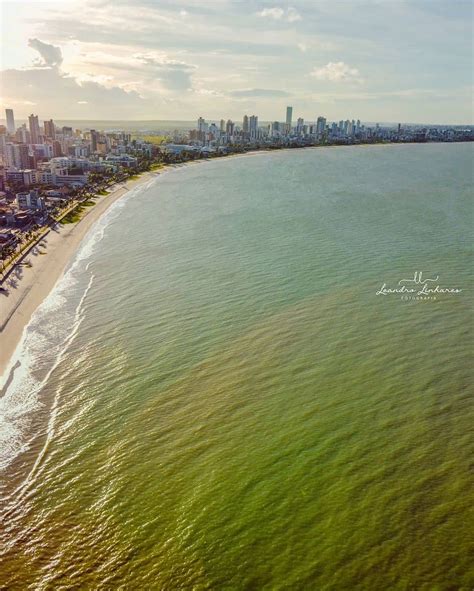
(43, 166)
(220, 136)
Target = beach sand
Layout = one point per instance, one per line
(28, 286)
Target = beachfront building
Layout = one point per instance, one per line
(29, 200)
(122, 160)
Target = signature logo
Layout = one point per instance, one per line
(418, 279)
(418, 287)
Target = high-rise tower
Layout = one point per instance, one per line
(10, 121)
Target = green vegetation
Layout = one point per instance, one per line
(152, 139)
(76, 214)
(73, 216)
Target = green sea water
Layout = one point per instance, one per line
(215, 397)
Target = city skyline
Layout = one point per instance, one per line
(403, 61)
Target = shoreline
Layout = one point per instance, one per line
(28, 286)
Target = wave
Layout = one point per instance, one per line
(45, 340)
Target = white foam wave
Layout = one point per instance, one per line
(46, 339)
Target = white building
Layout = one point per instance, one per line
(29, 200)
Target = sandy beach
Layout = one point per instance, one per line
(27, 286)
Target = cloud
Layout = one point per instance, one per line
(278, 14)
(258, 93)
(275, 13)
(159, 60)
(50, 54)
(292, 15)
(335, 72)
(174, 75)
(145, 72)
(50, 86)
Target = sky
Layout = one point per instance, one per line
(374, 60)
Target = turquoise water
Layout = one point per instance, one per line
(214, 397)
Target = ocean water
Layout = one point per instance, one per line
(215, 397)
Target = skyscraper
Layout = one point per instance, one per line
(57, 149)
(22, 135)
(50, 129)
(320, 125)
(10, 121)
(229, 128)
(23, 156)
(289, 115)
(245, 124)
(203, 128)
(3, 143)
(94, 140)
(34, 129)
(253, 126)
(17, 156)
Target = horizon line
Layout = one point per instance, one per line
(380, 122)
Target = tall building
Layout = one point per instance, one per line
(22, 135)
(245, 124)
(222, 126)
(3, 144)
(229, 128)
(300, 126)
(57, 149)
(94, 140)
(320, 125)
(275, 129)
(253, 127)
(289, 116)
(34, 129)
(203, 128)
(24, 156)
(10, 121)
(49, 129)
(17, 156)
(29, 200)
(9, 155)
